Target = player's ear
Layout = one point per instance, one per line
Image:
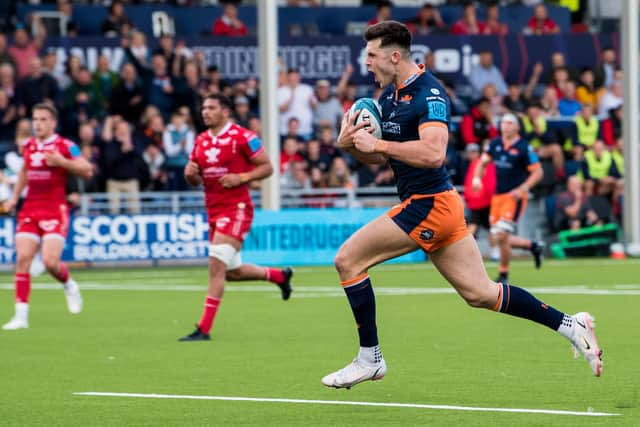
(396, 56)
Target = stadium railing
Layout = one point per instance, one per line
(193, 201)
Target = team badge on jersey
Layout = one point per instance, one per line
(36, 159)
(212, 154)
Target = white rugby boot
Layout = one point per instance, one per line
(585, 343)
(354, 373)
(20, 320)
(72, 294)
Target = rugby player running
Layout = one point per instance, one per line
(415, 116)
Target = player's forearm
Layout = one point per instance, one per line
(416, 153)
(261, 171)
(21, 183)
(534, 178)
(78, 166)
(370, 158)
(193, 180)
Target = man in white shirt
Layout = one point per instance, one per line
(612, 98)
(297, 100)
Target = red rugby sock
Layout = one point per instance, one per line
(63, 273)
(22, 287)
(274, 275)
(209, 313)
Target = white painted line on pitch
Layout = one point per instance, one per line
(334, 291)
(346, 402)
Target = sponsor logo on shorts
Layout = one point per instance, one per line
(426, 234)
(48, 225)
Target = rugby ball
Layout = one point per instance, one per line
(370, 112)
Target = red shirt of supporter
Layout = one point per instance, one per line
(46, 184)
(230, 151)
(469, 24)
(229, 24)
(542, 27)
(540, 23)
(479, 199)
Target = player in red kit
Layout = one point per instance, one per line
(43, 220)
(225, 159)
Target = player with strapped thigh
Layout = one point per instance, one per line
(43, 220)
(225, 158)
(415, 119)
(517, 171)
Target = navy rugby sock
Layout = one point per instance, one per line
(520, 303)
(363, 304)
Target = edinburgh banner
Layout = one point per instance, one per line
(326, 57)
(288, 237)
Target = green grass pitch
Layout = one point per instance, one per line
(439, 351)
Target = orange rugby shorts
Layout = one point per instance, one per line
(432, 220)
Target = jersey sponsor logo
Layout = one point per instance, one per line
(435, 91)
(38, 174)
(437, 110)
(514, 151)
(503, 163)
(406, 98)
(212, 154)
(223, 141)
(37, 159)
(391, 127)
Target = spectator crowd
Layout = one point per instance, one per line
(137, 124)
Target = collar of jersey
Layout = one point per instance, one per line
(412, 78)
(224, 129)
(506, 147)
(48, 140)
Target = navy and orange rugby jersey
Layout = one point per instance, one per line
(513, 163)
(420, 101)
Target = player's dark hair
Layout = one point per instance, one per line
(223, 100)
(390, 33)
(46, 106)
(384, 3)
